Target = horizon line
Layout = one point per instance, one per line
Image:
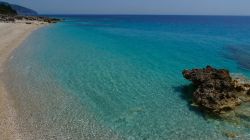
(137, 14)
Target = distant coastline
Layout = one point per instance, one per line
(13, 13)
(179, 15)
(106, 77)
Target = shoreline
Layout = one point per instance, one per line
(11, 36)
(14, 117)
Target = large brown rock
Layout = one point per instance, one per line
(216, 91)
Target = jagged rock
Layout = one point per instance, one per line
(240, 83)
(216, 91)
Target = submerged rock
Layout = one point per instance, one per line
(230, 134)
(216, 91)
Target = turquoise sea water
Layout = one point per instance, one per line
(119, 77)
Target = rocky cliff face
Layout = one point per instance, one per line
(216, 91)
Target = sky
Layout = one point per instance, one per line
(162, 7)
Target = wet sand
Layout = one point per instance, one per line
(11, 36)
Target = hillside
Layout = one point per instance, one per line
(23, 10)
(6, 9)
(12, 9)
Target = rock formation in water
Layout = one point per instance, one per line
(216, 91)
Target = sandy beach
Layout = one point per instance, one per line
(11, 36)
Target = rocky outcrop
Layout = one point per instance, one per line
(13, 18)
(7, 18)
(37, 18)
(216, 91)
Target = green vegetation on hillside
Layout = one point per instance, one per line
(6, 9)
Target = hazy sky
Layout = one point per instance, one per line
(183, 7)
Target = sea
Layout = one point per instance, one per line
(110, 77)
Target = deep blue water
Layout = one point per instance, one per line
(119, 77)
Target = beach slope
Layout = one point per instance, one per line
(11, 36)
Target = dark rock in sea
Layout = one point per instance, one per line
(216, 91)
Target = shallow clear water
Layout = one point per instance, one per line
(119, 77)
